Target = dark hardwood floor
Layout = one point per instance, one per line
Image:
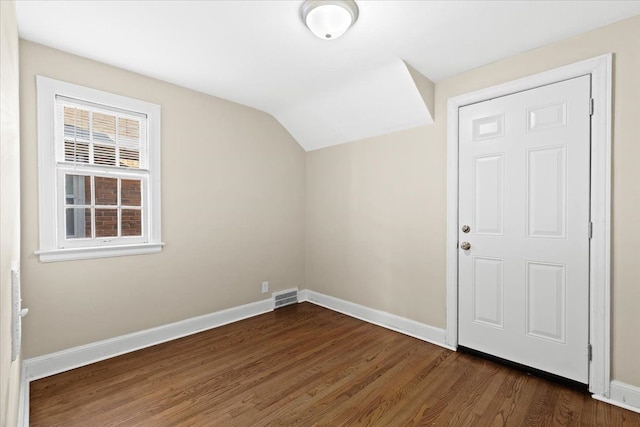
(308, 366)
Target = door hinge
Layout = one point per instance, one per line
(590, 229)
(590, 352)
(591, 106)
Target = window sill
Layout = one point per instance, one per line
(71, 254)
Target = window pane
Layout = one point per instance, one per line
(131, 222)
(76, 124)
(77, 189)
(128, 130)
(104, 128)
(78, 223)
(77, 152)
(129, 142)
(129, 158)
(131, 192)
(106, 222)
(106, 190)
(104, 154)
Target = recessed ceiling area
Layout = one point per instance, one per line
(324, 92)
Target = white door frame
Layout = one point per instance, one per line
(600, 69)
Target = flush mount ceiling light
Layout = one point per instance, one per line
(329, 19)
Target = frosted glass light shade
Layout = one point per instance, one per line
(329, 19)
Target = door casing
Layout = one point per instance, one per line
(600, 69)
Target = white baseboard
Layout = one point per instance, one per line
(23, 405)
(626, 396)
(54, 363)
(65, 360)
(396, 323)
(50, 364)
(623, 395)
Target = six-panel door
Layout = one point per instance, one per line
(524, 193)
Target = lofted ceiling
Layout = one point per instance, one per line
(259, 53)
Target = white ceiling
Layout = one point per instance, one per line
(259, 53)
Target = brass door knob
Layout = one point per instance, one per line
(465, 245)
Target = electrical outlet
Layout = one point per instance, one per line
(265, 287)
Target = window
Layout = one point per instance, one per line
(99, 173)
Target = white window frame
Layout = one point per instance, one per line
(51, 176)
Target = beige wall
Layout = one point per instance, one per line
(233, 200)
(9, 206)
(234, 214)
(376, 211)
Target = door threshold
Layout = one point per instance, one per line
(575, 385)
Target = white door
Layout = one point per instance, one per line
(524, 195)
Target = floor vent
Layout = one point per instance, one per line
(283, 298)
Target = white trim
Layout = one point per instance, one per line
(49, 222)
(599, 329)
(43, 366)
(622, 395)
(390, 321)
(98, 252)
(626, 396)
(61, 361)
(23, 403)
(600, 262)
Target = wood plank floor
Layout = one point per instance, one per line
(308, 366)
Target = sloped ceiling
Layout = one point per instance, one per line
(259, 53)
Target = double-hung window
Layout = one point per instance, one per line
(99, 173)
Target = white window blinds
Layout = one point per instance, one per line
(88, 134)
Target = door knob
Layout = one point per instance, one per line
(466, 229)
(465, 245)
